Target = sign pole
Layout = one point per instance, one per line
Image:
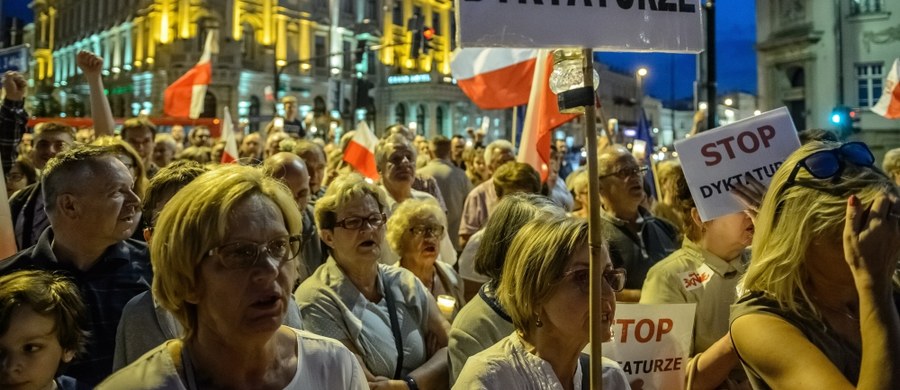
(595, 238)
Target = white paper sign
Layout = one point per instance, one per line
(716, 160)
(622, 25)
(653, 343)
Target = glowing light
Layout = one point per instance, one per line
(335, 71)
(281, 62)
(703, 105)
(757, 112)
(729, 102)
(305, 66)
(642, 72)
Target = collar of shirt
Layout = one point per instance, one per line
(724, 268)
(43, 255)
(643, 216)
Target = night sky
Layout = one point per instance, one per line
(735, 40)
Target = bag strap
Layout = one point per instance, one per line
(585, 362)
(395, 328)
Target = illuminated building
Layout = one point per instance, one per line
(148, 44)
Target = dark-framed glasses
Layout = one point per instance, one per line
(427, 230)
(826, 164)
(625, 173)
(246, 254)
(373, 221)
(581, 278)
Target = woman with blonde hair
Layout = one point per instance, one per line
(544, 288)
(817, 311)
(414, 232)
(382, 313)
(224, 252)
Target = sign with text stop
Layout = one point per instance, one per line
(715, 161)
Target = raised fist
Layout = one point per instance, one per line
(14, 84)
(89, 63)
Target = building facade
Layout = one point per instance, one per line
(816, 55)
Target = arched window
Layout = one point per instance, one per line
(439, 118)
(400, 113)
(420, 119)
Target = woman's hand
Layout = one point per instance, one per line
(870, 237)
(89, 63)
(750, 194)
(382, 383)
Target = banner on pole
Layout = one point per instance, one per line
(621, 25)
(715, 161)
(653, 343)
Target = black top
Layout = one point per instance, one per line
(655, 240)
(122, 272)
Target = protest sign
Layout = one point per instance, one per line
(715, 161)
(622, 25)
(653, 343)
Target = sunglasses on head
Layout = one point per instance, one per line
(826, 164)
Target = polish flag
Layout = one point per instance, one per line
(541, 117)
(495, 78)
(184, 98)
(360, 152)
(888, 105)
(230, 154)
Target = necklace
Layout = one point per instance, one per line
(845, 313)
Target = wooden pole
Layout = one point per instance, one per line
(595, 238)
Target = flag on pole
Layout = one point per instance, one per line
(888, 105)
(230, 154)
(541, 117)
(494, 78)
(360, 152)
(184, 98)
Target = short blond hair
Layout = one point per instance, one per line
(891, 163)
(340, 192)
(535, 264)
(794, 216)
(197, 220)
(402, 217)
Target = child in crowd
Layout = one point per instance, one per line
(42, 328)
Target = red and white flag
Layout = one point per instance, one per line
(184, 98)
(360, 152)
(494, 78)
(888, 105)
(230, 154)
(541, 118)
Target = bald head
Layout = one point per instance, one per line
(291, 170)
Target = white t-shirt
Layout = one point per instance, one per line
(322, 363)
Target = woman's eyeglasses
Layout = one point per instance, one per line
(427, 230)
(373, 221)
(581, 278)
(830, 163)
(244, 254)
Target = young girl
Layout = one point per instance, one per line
(42, 322)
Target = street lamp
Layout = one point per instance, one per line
(728, 101)
(642, 72)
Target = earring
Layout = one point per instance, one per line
(538, 322)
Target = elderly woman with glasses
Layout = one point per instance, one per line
(414, 232)
(229, 287)
(818, 312)
(384, 314)
(544, 288)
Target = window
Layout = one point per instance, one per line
(348, 55)
(865, 6)
(397, 17)
(321, 52)
(436, 23)
(868, 82)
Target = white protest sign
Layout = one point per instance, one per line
(653, 343)
(715, 161)
(622, 25)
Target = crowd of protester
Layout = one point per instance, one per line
(144, 263)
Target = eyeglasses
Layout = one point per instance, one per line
(241, 255)
(582, 279)
(826, 164)
(427, 230)
(355, 223)
(625, 173)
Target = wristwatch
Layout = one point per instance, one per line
(411, 383)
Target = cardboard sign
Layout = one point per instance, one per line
(653, 343)
(716, 160)
(622, 25)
